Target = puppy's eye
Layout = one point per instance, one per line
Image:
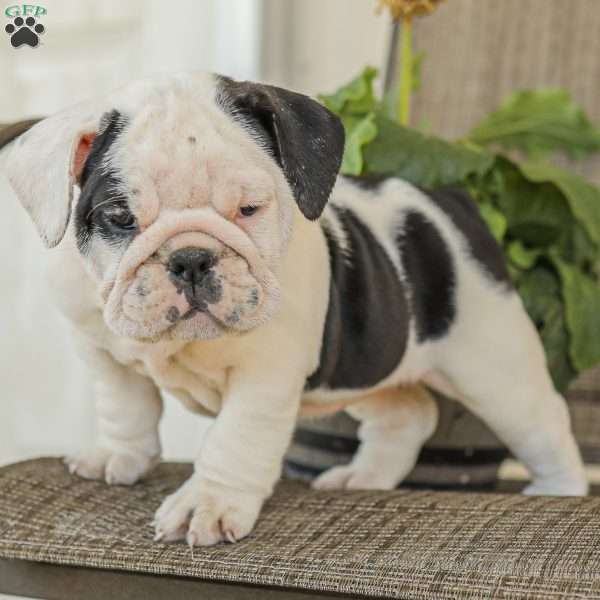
(121, 219)
(248, 211)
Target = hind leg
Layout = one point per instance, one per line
(394, 425)
(498, 369)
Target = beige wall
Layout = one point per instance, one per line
(314, 45)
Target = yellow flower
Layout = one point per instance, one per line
(406, 9)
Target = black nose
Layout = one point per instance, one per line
(190, 265)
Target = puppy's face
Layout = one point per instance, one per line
(183, 219)
(186, 192)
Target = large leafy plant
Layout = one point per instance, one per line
(546, 218)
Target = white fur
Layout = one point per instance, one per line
(491, 359)
(395, 423)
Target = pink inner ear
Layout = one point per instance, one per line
(81, 153)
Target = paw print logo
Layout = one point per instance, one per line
(24, 32)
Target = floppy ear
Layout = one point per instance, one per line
(43, 164)
(306, 139)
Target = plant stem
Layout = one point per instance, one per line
(406, 73)
(391, 87)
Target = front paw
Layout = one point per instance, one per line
(205, 513)
(115, 467)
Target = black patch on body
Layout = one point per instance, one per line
(370, 183)
(429, 270)
(366, 328)
(99, 188)
(462, 210)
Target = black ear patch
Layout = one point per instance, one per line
(305, 138)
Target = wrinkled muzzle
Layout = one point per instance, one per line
(190, 275)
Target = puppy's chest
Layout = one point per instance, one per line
(206, 367)
(196, 373)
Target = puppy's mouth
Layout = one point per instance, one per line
(196, 300)
(193, 311)
(174, 316)
(200, 312)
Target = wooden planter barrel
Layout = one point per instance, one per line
(462, 452)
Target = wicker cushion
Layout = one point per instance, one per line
(418, 544)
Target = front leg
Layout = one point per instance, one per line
(240, 460)
(128, 410)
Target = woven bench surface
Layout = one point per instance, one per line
(418, 544)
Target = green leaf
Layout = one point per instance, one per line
(582, 196)
(538, 122)
(354, 98)
(537, 214)
(581, 295)
(358, 133)
(555, 339)
(575, 246)
(521, 256)
(514, 272)
(582, 251)
(540, 291)
(494, 219)
(424, 161)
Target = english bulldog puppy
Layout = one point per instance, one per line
(197, 253)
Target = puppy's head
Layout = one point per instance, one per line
(182, 194)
